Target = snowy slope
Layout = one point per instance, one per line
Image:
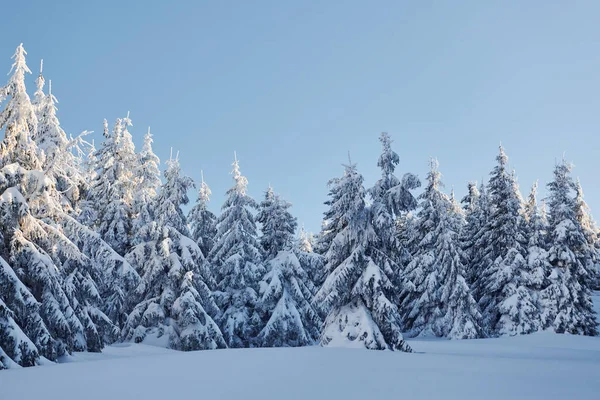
(539, 366)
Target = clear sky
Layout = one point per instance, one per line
(292, 86)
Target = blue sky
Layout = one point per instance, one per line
(293, 86)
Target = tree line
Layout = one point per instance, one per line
(95, 249)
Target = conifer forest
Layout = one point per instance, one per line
(96, 249)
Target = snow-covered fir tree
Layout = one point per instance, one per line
(18, 119)
(175, 300)
(503, 285)
(202, 221)
(34, 227)
(147, 181)
(436, 300)
(277, 224)
(567, 304)
(60, 163)
(284, 305)
(391, 196)
(236, 259)
(311, 262)
(476, 209)
(536, 231)
(356, 296)
(590, 256)
(112, 191)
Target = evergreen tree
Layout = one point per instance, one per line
(60, 163)
(277, 224)
(147, 179)
(536, 230)
(48, 264)
(202, 220)
(112, 191)
(356, 294)
(436, 300)
(391, 196)
(284, 304)
(567, 298)
(311, 262)
(236, 259)
(18, 119)
(590, 256)
(176, 303)
(283, 307)
(504, 284)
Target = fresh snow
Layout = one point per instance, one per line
(538, 366)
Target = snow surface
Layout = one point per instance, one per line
(539, 366)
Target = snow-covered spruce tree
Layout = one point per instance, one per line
(566, 300)
(18, 119)
(277, 224)
(202, 221)
(590, 256)
(286, 316)
(536, 231)
(236, 259)
(310, 261)
(175, 303)
(60, 163)
(87, 213)
(356, 294)
(476, 209)
(391, 197)
(61, 278)
(147, 182)
(504, 283)
(112, 190)
(436, 300)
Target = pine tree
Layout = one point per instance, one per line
(202, 220)
(18, 119)
(284, 304)
(47, 262)
(147, 180)
(176, 303)
(59, 161)
(277, 224)
(391, 196)
(590, 256)
(356, 294)
(504, 284)
(283, 307)
(567, 298)
(311, 262)
(536, 231)
(436, 300)
(112, 191)
(236, 259)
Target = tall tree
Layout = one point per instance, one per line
(590, 256)
(503, 285)
(147, 180)
(175, 301)
(284, 304)
(356, 294)
(391, 196)
(202, 220)
(33, 226)
(567, 298)
(436, 300)
(277, 224)
(236, 259)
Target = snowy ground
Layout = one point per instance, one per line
(540, 366)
